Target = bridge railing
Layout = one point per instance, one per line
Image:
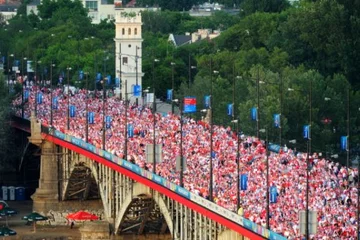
(262, 231)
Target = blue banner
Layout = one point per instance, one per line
(117, 82)
(91, 117)
(189, 104)
(130, 130)
(108, 122)
(243, 181)
(72, 111)
(55, 103)
(16, 63)
(306, 131)
(273, 194)
(98, 77)
(137, 90)
(213, 154)
(108, 79)
(230, 109)
(344, 143)
(277, 120)
(81, 75)
(207, 101)
(274, 148)
(2, 59)
(26, 95)
(39, 98)
(254, 114)
(169, 95)
(61, 77)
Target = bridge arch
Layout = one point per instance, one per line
(139, 190)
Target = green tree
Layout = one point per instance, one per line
(252, 6)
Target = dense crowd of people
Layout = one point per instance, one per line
(333, 188)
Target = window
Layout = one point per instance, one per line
(135, 31)
(129, 31)
(123, 31)
(91, 5)
(125, 60)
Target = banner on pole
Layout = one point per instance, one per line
(254, 114)
(137, 90)
(169, 95)
(277, 120)
(306, 132)
(55, 103)
(91, 117)
(207, 101)
(72, 111)
(108, 122)
(189, 104)
(230, 109)
(344, 143)
(39, 98)
(243, 181)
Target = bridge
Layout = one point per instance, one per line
(134, 200)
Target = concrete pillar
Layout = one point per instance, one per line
(46, 196)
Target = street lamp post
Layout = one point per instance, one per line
(211, 132)
(181, 147)
(307, 233)
(104, 113)
(87, 107)
(51, 93)
(35, 85)
(348, 129)
(258, 104)
(236, 121)
(267, 179)
(126, 112)
(22, 87)
(68, 97)
(172, 85)
(136, 73)
(154, 113)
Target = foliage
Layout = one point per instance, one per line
(252, 6)
(8, 150)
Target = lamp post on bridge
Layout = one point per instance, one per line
(267, 179)
(236, 121)
(307, 136)
(22, 87)
(181, 143)
(51, 93)
(154, 116)
(210, 112)
(126, 112)
(68, 97)
(172, 85)
(87, 107)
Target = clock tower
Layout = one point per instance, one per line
(128, 42)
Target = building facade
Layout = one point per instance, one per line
(128, 50)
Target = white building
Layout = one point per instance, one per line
(128, 48)
(8, 12)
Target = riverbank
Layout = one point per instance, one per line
(48, 232)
